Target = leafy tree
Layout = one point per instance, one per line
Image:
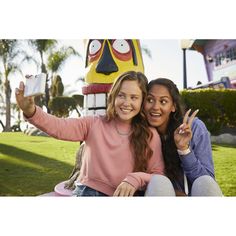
(51, 60)
(44, 48)
(56, 61)
(9, 53)
(57, 87)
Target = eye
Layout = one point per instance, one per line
(163, 102)
(120, 95)
(134, 98)
(121, 46)
(94, 47)
(150, 100)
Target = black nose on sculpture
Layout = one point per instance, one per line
(106, 64)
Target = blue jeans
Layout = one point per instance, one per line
(85, 191)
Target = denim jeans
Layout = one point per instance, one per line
(85, 191)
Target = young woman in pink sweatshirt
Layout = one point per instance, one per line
(121, 151)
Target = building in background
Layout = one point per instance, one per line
(220, 61)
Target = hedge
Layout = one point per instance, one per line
(217, 108)
(61, 106)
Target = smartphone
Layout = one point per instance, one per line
(35, 85)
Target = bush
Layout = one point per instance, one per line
(217, 107)
(79, 99)
(61, 106)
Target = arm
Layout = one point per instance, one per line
(155, 165)
(65, 129)
(199, 161)
(70, 129)
(194, 147)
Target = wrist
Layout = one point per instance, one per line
(184, 152)
(182, 148)
(30, 112)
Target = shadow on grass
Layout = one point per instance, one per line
(25, 173)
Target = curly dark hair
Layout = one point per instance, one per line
(172, 162)
(141, 133)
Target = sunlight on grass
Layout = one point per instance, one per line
(24, 163)
(32, 166)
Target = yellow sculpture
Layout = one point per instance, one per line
(105, 60)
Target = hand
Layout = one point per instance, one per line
(26, 104)
(124, 190)
(183, 133)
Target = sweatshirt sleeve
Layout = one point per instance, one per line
(199, 161)
(155, 165)
(69, 129)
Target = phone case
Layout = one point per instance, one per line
(35, 85)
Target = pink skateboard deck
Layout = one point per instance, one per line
(61, 190)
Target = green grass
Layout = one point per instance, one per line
(31, 166)
(225, 168)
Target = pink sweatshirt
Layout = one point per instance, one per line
(107, 155)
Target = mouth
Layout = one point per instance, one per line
(155, 114)
(126, 110)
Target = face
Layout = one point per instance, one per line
(128, 101)
(158, 107)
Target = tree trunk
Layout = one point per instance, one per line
(8, 105)
(47, 94)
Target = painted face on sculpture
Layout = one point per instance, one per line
(108, 59)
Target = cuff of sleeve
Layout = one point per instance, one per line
(188, 160)
(184, 152)
(131, 179)
(27, 117)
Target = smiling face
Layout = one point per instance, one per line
(128, 101)
(158, 107)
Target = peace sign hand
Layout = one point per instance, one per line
(183, 133)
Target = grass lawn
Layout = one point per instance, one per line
(31, 165)
(225, 168)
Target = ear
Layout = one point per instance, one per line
(173, 108)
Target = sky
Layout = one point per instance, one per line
(166, 61)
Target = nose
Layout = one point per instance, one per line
(127, 101)
(156, 105)
(106, 64)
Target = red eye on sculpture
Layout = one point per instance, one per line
(121, 49)
(94, 49)
(121, 46)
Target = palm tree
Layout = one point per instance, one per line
(44, 47)
(51, 60)
(9, 52)
(57, 59)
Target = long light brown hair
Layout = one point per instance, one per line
(141, 134)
